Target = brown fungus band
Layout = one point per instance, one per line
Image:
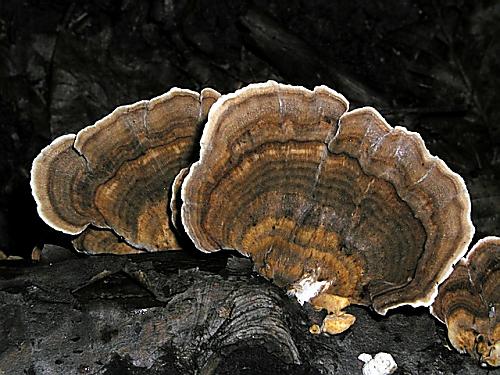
(337, 206)
(468, 302)
(115, 174)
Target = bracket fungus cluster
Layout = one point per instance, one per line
(336, 206)
(110, 181)
(468, 302)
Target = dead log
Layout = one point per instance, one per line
(186, 313)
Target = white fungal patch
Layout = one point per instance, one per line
(308, 287)
(381, 364)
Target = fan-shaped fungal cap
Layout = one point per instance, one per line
(116, 173)
(290, 178)
(469, 303)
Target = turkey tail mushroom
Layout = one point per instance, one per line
(325, 201)
(115, 174)
(335, 205)
(468, 303)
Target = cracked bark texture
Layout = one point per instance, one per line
(185, 313)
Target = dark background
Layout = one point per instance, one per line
(431, 66)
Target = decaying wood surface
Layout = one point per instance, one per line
(182, 312)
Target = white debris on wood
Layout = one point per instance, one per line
(308, 287)
(381, 364)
